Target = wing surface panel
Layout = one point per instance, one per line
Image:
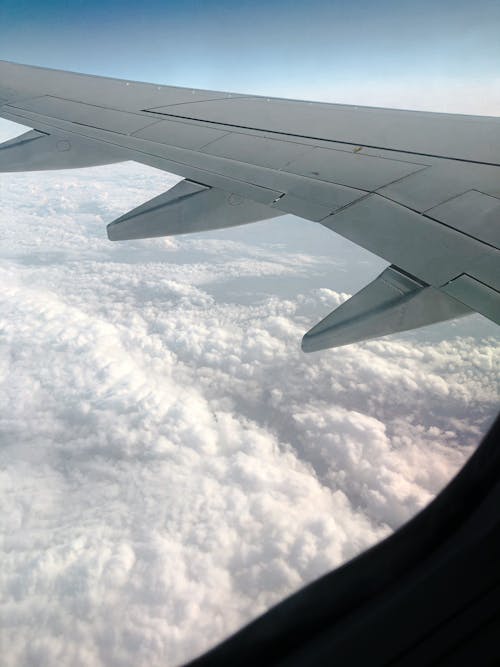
(478, 296)
(444, 180)
(85, 114)
(353, 170)
(182, 135)
(425, 248)
(473, 213)
(261, 151)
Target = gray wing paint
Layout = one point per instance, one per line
(421, 190)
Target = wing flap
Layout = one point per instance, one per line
(186, 208)
(393, 302)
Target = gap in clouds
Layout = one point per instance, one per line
(171, 464)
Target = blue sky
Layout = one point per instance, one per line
(274, 47)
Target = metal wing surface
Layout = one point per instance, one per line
(421, 190)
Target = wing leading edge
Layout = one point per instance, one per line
(421, 190)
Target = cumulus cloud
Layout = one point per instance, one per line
(171, 463)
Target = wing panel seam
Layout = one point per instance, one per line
(338, 141)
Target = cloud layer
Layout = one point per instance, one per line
(171, 463)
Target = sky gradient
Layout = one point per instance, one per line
(433, 53)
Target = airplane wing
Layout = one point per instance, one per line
(421, 190)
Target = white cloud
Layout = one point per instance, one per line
(171, 463)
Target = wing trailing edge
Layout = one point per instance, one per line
(393, 302)
(186, 208)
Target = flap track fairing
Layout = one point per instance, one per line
(186, 208)
(393, 302)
